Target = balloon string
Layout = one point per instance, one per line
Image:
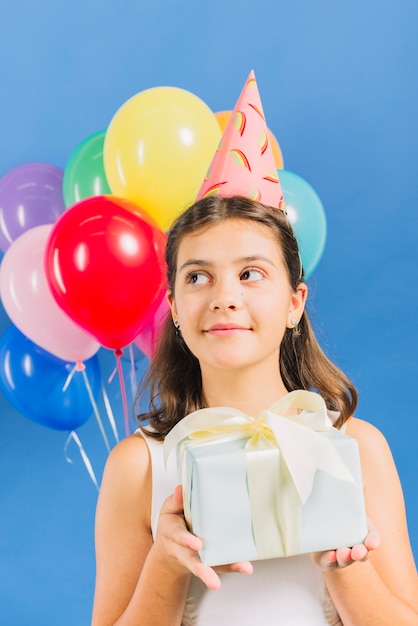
(118, 354)
(112, 375)
(132, 372)
(80, 367)
(74, 437)
(109, 412)
(70, 377)
(95, 409)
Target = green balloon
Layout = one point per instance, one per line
(84, 175)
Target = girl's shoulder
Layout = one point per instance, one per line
(367, 435)
(375, 453)
(129, 446)
(128, 460)
(126, 483)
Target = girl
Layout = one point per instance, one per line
(239, 336)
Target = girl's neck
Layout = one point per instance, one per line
(247, 391)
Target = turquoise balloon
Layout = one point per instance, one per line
(307, 216)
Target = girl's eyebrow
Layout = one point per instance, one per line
(245, 259)
(198, 262)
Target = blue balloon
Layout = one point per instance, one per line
(33, 379)
(307, 216)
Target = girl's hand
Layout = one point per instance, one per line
(181, 546)
(342, 557)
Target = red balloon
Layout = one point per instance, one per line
(105, 266)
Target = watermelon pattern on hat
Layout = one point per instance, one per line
(244, 164)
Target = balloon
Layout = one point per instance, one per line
(28, 300)
(147, 338)
(307, 216)
(84, 174)
(158, 148)
(105, 267)
(30, 195)
(33, 381)
(223, 119)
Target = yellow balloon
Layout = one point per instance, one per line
(158, 148)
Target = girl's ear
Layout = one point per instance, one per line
(297, 304)
(171, 303)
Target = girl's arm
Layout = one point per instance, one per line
(136, 582)
(140, 582)
(382, 590)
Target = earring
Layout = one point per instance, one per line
(296, 329)
(177, 331)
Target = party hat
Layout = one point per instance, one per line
(244, 163)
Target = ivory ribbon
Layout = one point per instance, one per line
(296, 450)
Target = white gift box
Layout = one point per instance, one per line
(274, 486)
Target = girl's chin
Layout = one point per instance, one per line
(232, 363)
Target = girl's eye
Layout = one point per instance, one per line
(196, 278)
(252, 274)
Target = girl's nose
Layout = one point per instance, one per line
(226, 296)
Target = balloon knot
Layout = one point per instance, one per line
(118, 352)
(80, 367)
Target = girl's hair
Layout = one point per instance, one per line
(174, 379)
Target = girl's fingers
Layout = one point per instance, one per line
(178, 497)
(359, 552)
(245, 567)
(342, 557)
(326, 561)
(183, 546)
(208, 576)
(372, 540)
(180, 545)
(174, 503)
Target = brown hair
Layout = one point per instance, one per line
(174, 377)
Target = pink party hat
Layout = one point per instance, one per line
(244, 163)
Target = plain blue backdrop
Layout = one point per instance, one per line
(339, 87)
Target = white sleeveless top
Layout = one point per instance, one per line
(281, 592)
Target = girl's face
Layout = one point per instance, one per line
(232, 297)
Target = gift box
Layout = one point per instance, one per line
(282, 484)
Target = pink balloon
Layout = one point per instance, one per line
(147, 339)
(30, 304)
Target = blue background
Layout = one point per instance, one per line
(338, 81)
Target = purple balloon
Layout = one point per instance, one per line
(30, 195)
